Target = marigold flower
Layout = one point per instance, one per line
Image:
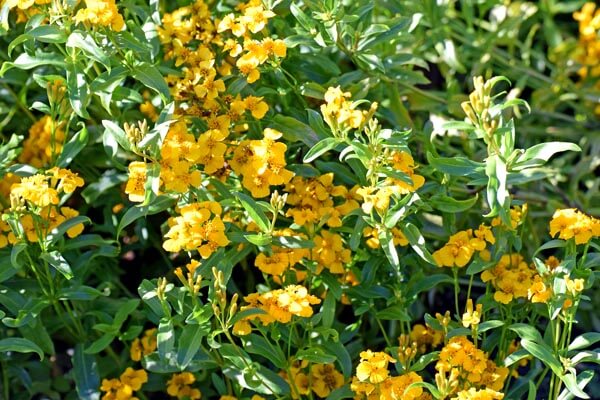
(325, 378)
(180, 386)
(572, 223)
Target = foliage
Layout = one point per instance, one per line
(299, 199)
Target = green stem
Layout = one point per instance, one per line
(385, 336)
(456, 290)
(5, 383)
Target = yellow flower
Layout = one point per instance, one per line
(134, 378)
(325, 378)
(280, 305)
(144, 346)
(457, 252)
(101, 13)
(195, 230)
(571, 223)
(180, 386)
(257, 107)
(373, 366)
(36, 190)
(67, 181)
(136, 182)
(472, 317)
(481, 394)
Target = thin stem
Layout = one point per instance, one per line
(5, 383)
(385, 336)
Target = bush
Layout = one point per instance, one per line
(284, 199)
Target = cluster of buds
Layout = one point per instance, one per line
(444, 321)
(135, 133)
(477, 108)
(407, 351)
(447, 384)
(219, 305)
(59, 104)
(191, 283)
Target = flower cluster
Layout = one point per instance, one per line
(378, 197)
(122, 389)
(44, 142)
(279, 305)
(329, 252)
(339, 112)
(572, 223)
(261, 163)
(321, 379)
(312, 201)
(143, 346)
(281, 260)
(469, 366)
(513, 278)
(373, 381)
(461, 246)
(197, 228)
(36, 201)
(180, 386)
(254, 53)
(101, 13)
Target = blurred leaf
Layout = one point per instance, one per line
(20, 345)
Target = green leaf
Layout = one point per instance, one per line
(124, 311)
(572, 384)
(149, 75)
(85, 374)
(425, 283)
(294, 130)
(458, 166)
(584, 340)
(165, 338)
(189, 343)
(116, 134)
(73, 147)
(397, 312)
(80, 293)
(255, 344)
(389, 248)
(532, 394)
(14, 254)
(20, 345)
(85, 42)
(315, 355)
(78, 91)
(543, 352)
(491, 324)
(98, 345)
(448, 204)
(26, 61)
(254, 211)
(539, 154)
(417, 242)
(321, 148)
(55, 259)
(159, 204)
(328, 310)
